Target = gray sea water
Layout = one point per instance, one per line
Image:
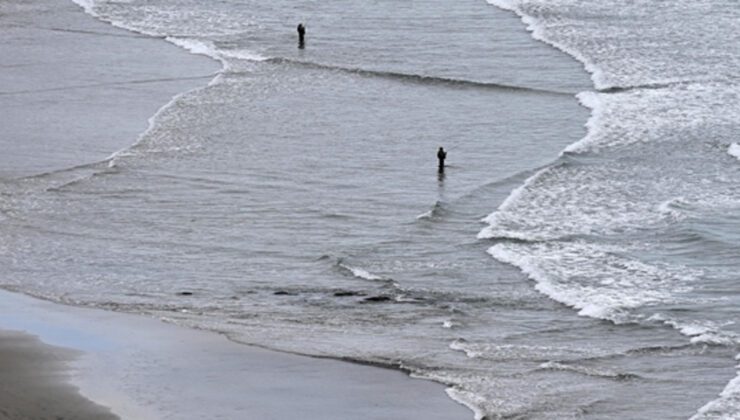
(553, 271)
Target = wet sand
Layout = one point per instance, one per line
(73, 91)
(33, 382)
(146, 369)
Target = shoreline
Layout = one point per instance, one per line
(76, 90)
(91, 372)
(144, 368)
(117, 360)
(39, 374)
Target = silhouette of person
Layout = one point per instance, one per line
(441, 155)
(301, 36)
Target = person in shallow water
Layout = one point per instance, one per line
(301, 35)
(441, 155)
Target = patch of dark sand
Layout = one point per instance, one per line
(33, 382)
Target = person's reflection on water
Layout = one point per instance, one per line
(440, 177)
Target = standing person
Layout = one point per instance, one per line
(301, 36)
(441, 155)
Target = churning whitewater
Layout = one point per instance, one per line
(551, 271)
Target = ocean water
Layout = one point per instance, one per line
(577, 259)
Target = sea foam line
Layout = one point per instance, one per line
(587, 99)
(593, 101)
(538, 33)
(726, 407)
(192, 46)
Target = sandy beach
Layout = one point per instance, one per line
(201, 218)
(142, 369)
(34, 379)
(73, 91)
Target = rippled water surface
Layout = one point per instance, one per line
(295, 202)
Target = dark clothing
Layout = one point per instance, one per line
(301, 35)
(441, 155)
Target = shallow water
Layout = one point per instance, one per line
(295, 203)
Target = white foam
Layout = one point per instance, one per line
(538, 31)
(359, 272)
(362, 273)
(460, 345)
(209, 49)
(692, 330)
(718, 338)
(509, 5)
(425, 215)
(514, 197)
(244, 55)
(595, 41)
(592, 101)
(492, 351)
(699, 332)
(726, 407)
(668, 208)
(594, 279)
(604, 373)
(405, 299)
(193, 46)
(734, 150)
(87, 5)
(113, 159)
(654, 84)
(470, 400)
(197, 46)
(568, 200)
